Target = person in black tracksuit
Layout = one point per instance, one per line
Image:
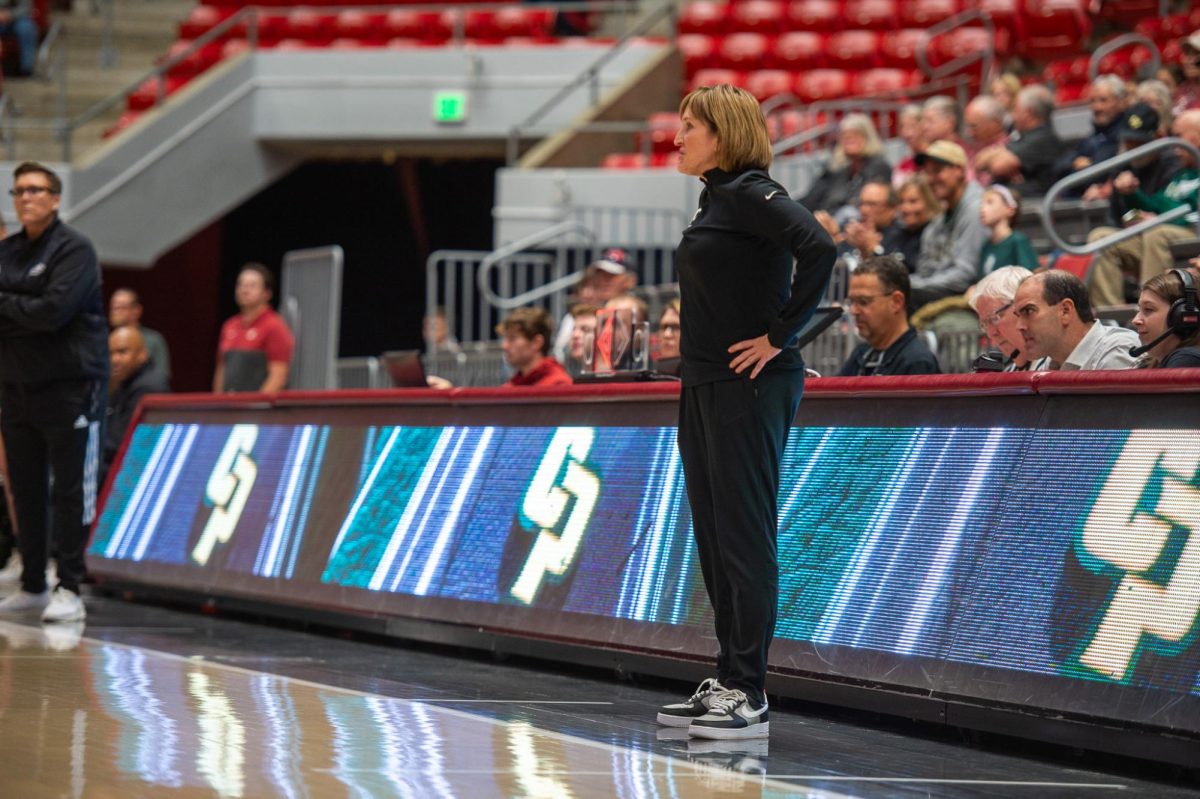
(743, 303)
(54, 367)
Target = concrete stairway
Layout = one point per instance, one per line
(142, 32)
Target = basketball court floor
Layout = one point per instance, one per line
(145, 701)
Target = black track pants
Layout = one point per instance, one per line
(731, 439)
(53, 429)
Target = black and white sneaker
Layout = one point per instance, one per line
(731, 715)
(682, 714)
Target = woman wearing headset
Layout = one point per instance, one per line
(1167, 314)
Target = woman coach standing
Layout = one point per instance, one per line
(743, 304)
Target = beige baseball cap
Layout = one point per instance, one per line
(945, 151)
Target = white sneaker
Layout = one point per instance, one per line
(65, 605)
(11, 573)
(23, 602)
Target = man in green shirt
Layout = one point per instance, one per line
(1148, 254)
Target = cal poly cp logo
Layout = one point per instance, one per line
(1145, 530)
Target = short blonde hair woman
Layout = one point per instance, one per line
(753, 265)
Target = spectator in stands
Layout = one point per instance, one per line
(125, 310)
(876, 231)
(918, 207)
(941, 120)
(909, 122)
(878, 300)
(987, 131)
(628, 302)
(951, 244)
(16, 20)
(583, 337)
(527, 333)
(1187, 94)
(667, 362)
(992, 301)
(133, 377)
(255, 351)
(1055, 321)
(610, 275)
(998, 210)
(1155, 94)
(1107, 101)
(1165, 320)
(1004, 88)
(857, 158)
(435, 329)
(1034, 148)
(1152, 187)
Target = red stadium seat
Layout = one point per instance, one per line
(699, 52)
(1174, 26)
(1005, 14)
(362, 25)
(424, 25)
(877, 15)
(704, 16)
(1194, 18)
(1128, 12)
(965, 41)
(814, 15)
(311, 26)
(923, 13)
(1072, 93)
(766, 83)
(759, 16)
(520, 21)
(742, 51)
(882, 81)
(1125, 62)
(798, 50)
(625, 161)
(1053, 27)
(663, 127)
(202, 19)
(1172, 52)
(146, 95)
(193, 64)
(269, 28)
(1067, 70)
(1077, 265)
(899, 48)
(126, 119)
(233, 48)
(822, 84)
(711, 77)
(853, 50)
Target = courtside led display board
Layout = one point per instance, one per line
(1035, 558)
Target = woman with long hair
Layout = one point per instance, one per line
(1167, 313)
(753, 266)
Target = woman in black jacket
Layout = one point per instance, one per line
(1167, 320)
(753, 265)
(857, 160)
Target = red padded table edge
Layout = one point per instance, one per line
(1129, 381)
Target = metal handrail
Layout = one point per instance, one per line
(1089, 174)
(1120, 43)
(590, 77)
(987, 55)
(493, 259)
(249, 16)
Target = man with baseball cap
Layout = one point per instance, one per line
(609, 276)
(1156, 184)
(951, 243)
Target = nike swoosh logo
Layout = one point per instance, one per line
(772, 194)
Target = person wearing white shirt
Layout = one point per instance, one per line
(1055, 321)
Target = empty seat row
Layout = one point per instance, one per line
(1169, 28)
(310, 25)
(811, 85)
(808, 50)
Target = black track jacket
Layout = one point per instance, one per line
(736, 276)
(52, 323)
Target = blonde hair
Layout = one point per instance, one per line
(862, 125)
(918, 183)
(735, 118)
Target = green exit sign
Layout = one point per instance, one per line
(449, 108)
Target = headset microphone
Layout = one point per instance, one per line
(1138, 352)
